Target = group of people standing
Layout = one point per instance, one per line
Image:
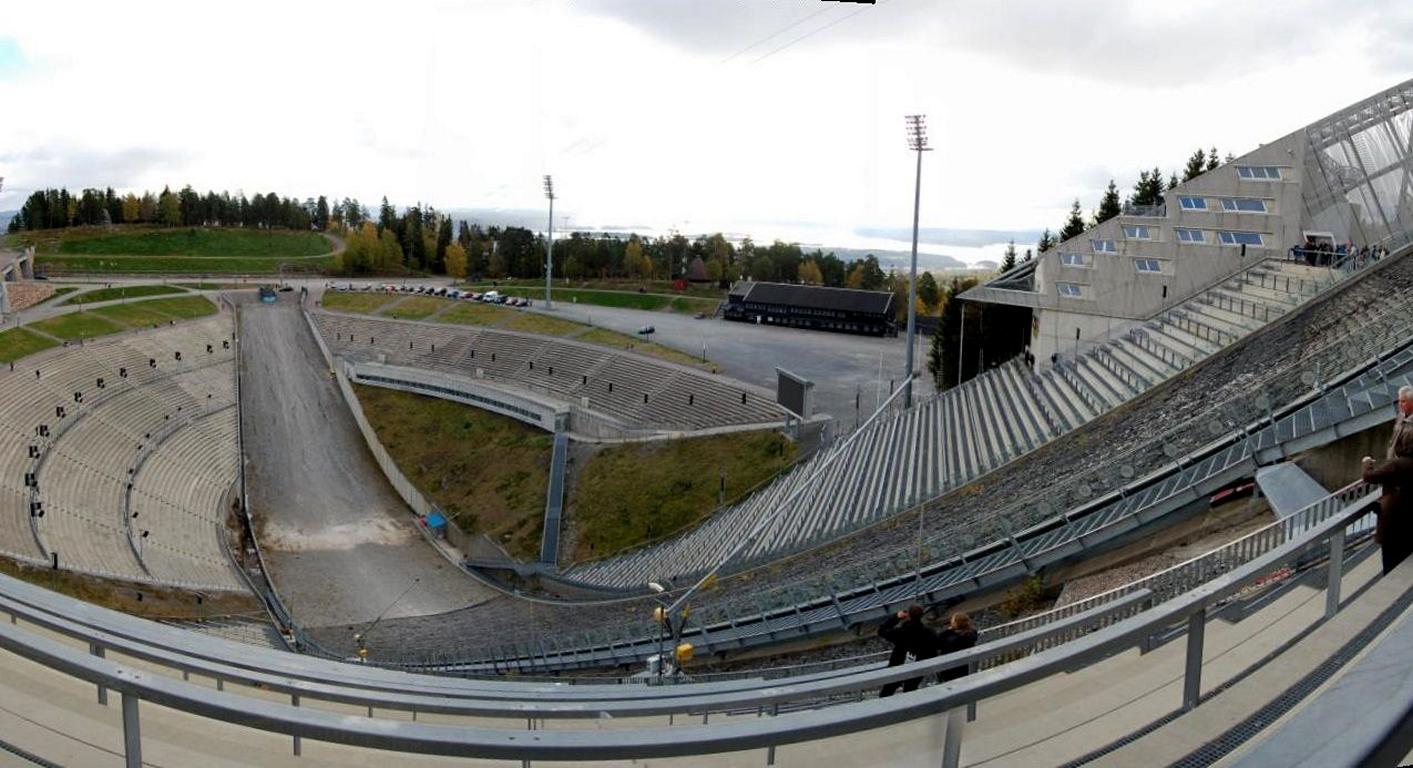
(914, 641)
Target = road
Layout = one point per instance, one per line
(340, 544)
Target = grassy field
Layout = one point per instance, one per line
(177, 265)
(76, 325)
(620, 298)
(416, 307)
(356, 302)
(181, 307)
(488, 472)
(637, 492)
(506, 318)
(123, 292)
(214, 286)
(607, 338)
(138, 315)
(529, 322)
(667, 287)
(120, 317)
(472, 313)
(20, 342)
(199, 242)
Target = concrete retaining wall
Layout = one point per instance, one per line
(545, 414)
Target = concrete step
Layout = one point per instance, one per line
(1160, 368)
(1144, 365)
(1180, 341)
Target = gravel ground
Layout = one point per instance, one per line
(340, 544)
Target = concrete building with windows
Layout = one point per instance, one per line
(1342, 181)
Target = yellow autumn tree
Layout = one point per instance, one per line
(809, 273)
(132, 208)
(456, 261)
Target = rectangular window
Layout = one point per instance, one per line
(1244, 204)
(1147, 265)
(1073, 260)
(1241, 238)
(1072, 290)
(1105, 246)
(1193, 203)
(1137, 232)
(1190, 235)
(1259, 172)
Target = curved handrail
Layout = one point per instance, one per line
(743, 733)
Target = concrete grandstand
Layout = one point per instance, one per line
(124, 459)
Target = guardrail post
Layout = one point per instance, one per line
(132, 738)
(294, 702)
(770, 751)
(952, 738)
(1336, 573)
(1192, 674)
(97, 650)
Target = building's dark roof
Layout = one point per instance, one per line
(815, 297)
(696, 271)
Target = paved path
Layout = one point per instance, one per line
(340, 544)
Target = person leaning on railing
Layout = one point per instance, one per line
(958, 636)
(1394, 527)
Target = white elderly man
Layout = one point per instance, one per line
(1394, 530)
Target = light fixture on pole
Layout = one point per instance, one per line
(917, 142)
(549, 242)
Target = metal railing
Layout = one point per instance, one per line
(1238, 306)
(1192, 598)
(1140, 337)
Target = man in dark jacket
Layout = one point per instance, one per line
(1394, 529)
(958, 636)
(911, 641)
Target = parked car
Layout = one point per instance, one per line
(647, 330)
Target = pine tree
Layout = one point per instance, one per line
(1008, 261)
(1213, 159)
(321, 214)
(1196, 165)
(1109, 205)
(1047, 241)
(1074, 226)
(1173, 181)
(927, 290)
(387, 217)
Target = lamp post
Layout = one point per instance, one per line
(917, 142)
(549, 242)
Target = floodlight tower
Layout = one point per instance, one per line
(549, 242)
(917, 142)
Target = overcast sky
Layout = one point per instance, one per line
(755, 116)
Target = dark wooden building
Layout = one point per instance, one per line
(844, 310)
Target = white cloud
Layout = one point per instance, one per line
(645, 114)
